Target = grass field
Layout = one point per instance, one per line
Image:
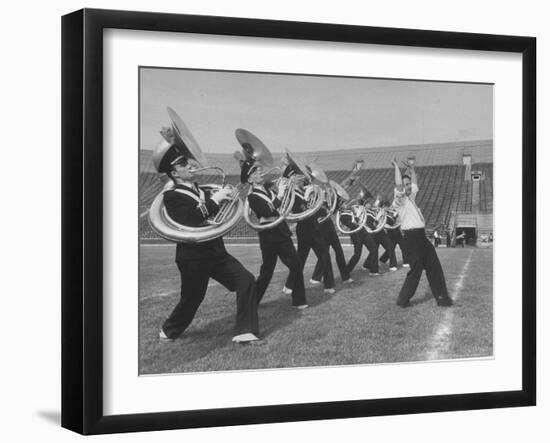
(359, 324)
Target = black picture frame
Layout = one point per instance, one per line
(82, 218)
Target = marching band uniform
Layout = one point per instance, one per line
(358, 239)
(275, 242)
(372, 244)
(382, 238)
(420, 251)
(310, 237)
(328, 231)
(188, 204)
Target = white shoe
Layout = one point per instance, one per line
(287, 291)
(302, 306)
(314, 282)
(393, 268)
(374, 274)
(349, 280)
(330, 291)
(244, 338)
(406, 265)
(164, 338)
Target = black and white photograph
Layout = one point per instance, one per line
(296, 221)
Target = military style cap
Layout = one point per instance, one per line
(166, 155)
(178, 146)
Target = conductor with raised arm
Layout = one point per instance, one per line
(420, 251)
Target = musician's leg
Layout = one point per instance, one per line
(304, 246)
(416, 260)
(317, 272)
(320, 248)
(232, 274)
(371, 242)
(339, 254)
(290, 258)
(389, 247)
(435, 275)
(194, 282)
(269, 260)
(357, 249)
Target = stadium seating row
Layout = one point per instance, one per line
(443, 191)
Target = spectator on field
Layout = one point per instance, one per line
(437, 240)
(460, 239)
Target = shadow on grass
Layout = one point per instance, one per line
(278, 313)
(425, 298)
(200, 341)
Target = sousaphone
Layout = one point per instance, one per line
(221, 223)
(376, 218)
(330, 195)
(255, 151)
(358, 214)
(316, 195)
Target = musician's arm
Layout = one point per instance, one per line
(211, 205)
(413, 175)
(399, 192)
(397, 174)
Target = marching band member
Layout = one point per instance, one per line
(420, 251)
(275, 242)
(397, 239)
(328, 231)
(380, 238)
(359, 239)
(372, 243)
(308, 232)
(188, 204)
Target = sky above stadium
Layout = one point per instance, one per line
(310, 113)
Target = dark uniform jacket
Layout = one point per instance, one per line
(371, 221)
(310, 226)
(191, 206)
(265, 203)
(327, 227)
(348, 219)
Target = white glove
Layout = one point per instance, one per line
(222, 194)
(307, 191)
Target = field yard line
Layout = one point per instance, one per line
(442, 338)
(215, 283)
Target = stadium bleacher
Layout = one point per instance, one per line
(440, 170)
